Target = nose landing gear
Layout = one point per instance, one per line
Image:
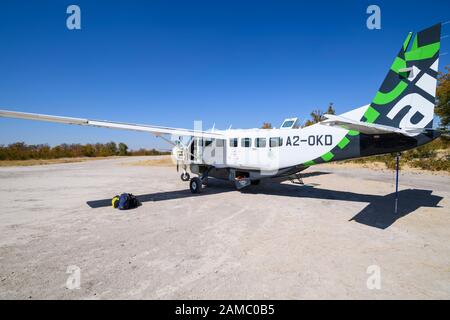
(185, 176)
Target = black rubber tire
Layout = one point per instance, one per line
(255, 182)
(195, 185)
(185, 176)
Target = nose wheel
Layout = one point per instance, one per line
(185, 176)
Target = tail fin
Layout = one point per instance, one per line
(406, 98)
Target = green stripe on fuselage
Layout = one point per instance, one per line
(309, 163)
(328, 156)
(353, 133)
(345, 141)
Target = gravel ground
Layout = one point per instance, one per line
(326, 239)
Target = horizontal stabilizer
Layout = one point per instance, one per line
(368, 128)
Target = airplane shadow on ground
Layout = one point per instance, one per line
(379, 212)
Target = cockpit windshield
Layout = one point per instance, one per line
(288, 124)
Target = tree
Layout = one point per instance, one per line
(123, 149)
(330, 109)
(111, 148)
(443, 98)
(317, 115)
(88, 150)
(266, 125)
(22, 151)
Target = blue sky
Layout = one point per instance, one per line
(236, 63)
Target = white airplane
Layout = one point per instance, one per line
(399, 118)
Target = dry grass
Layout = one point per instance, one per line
(165, 161)
(381, 167)
(38, 162)
(160, 162)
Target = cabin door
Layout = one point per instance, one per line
(214, 152)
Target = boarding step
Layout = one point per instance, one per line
(296, 178)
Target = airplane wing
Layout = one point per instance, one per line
(108, 124)
(368, 128)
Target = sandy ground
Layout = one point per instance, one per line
(279, 241)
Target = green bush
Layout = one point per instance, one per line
(22, 151)
(432, 164)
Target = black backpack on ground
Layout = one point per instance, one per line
(127, 201)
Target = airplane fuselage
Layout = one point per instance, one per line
(264, 153)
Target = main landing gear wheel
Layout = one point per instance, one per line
(195, 185)
(185, 176)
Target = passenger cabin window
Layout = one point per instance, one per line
(260, 142)
(276, 142)
(234, 142)
(246, 142)
(219, 143)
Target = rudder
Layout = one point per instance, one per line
(406, 97)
